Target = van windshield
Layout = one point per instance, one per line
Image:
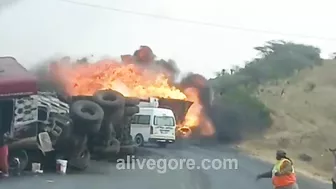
(164, 120)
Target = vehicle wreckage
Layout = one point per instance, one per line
(42, 127)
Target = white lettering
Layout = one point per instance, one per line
(141, 164)
(190, 163)
(216, 164)
(133, 162)
(230, 163)
(173, 164)
(206, 164)
(161, 165)
(151, 164)
(120, 164)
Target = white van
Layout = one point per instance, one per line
(153, 125)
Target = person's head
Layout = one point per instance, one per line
(280, 154)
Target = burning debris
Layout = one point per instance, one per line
(139, 76)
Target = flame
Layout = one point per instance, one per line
(131, 80)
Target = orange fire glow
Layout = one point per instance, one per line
(132, 81)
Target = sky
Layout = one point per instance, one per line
(33, 30)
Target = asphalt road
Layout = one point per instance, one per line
(105, 175)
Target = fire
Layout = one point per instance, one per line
(131, 80)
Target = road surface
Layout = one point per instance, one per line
(104, 175)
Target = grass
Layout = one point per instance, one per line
(304, 119)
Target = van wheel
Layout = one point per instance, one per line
(162, 145)
(139, 140)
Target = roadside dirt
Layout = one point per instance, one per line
(304, 120)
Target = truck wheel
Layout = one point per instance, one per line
(130, 101)
(131, 110)
(125, 132)
(139, 140)
(107, 131)
(81, 161)
(87, 116)
(72, 145)
(109, 99)
(78, 143)
(18, 160)
(117, 115)
(110, 147)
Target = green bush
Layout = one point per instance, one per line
(237, 113)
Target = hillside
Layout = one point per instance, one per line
(304, 118)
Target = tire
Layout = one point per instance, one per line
(21, 156)
(116, 116)
(81, 161)
(127, 150)
(107, 131)
(130, 101)
(87, 116)
(75, 145)
(139, 140)
(109, 99)
(79, 142)
(162, 145)
(125, 137)
(131, 110)
(112, 148)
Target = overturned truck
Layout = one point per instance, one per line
(38, 126)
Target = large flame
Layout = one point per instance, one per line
(131, 80)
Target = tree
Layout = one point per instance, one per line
(276, 59)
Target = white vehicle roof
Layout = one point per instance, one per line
(156, 111)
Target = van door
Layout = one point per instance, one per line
(165, 125)
(141, 125)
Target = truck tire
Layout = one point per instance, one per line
(109, 100)
(112, 147)
(125, 137)
(81, 161)
(131, 110)
(73, 145)
(116, 116)
(78, 143)
(87, 116)
(107, 131)
(131, 101)
(18, 160)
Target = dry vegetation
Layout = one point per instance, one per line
(303, 109)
